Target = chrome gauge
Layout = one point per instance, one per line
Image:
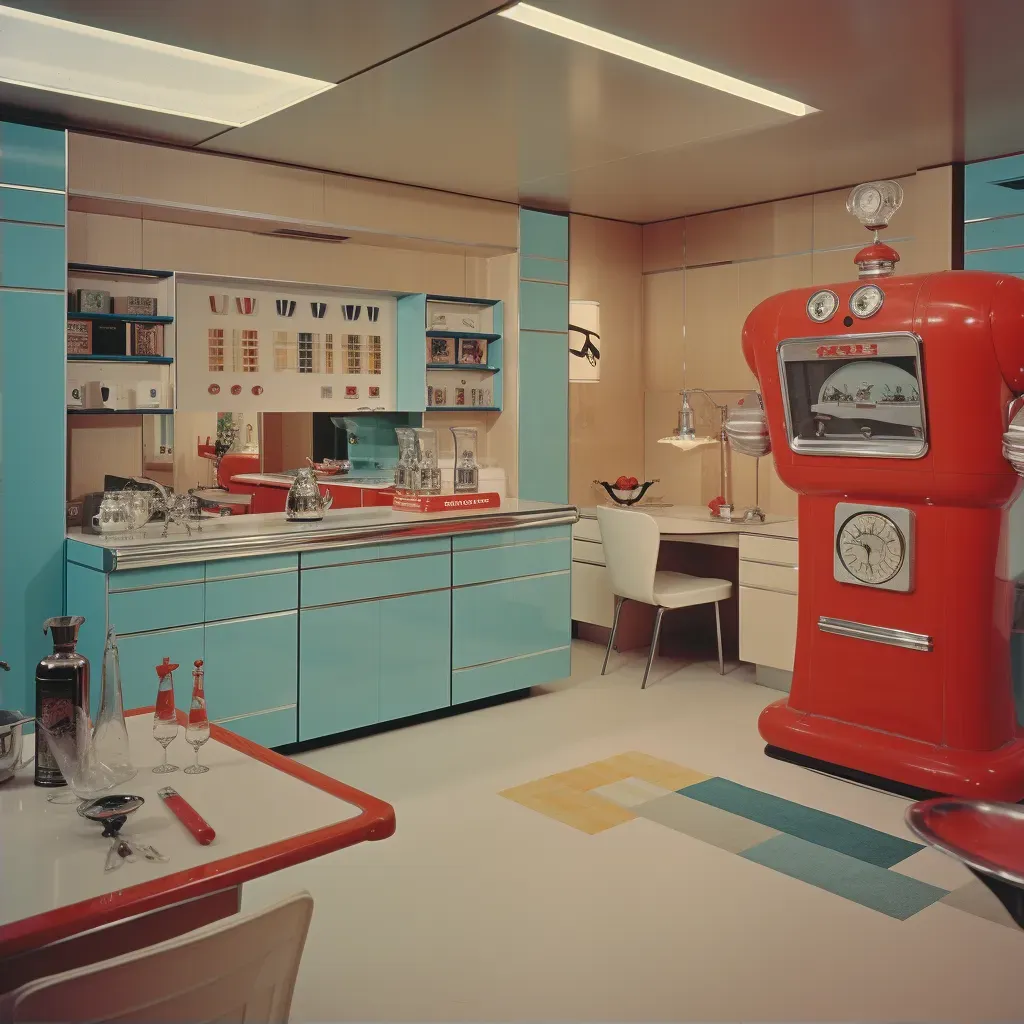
(866, 301)
(822, 305)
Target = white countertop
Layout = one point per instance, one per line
(680, 520)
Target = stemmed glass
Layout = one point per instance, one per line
(197, 732)
(165, 718)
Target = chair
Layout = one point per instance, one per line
(631, 540)
(239, 969)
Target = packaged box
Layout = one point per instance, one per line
(79, 337)
(147, 339)
(135, 305)
(464, 320)
(149, 394)
(91, 300)
(74, 395)
(73, 513)
(101, 394)
(109, 338)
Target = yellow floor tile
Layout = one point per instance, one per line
(581, 810)
(652, 769)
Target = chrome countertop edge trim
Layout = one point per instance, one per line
(205, 549)
(876, 634)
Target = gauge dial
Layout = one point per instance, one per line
(822, 305)
(866, 301)
(871, 547)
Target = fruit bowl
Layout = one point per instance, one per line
(625, 495)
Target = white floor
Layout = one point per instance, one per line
(481, 909)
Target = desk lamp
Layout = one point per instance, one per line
(742, 426)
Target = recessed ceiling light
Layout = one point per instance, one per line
(600, 40)
(78, 60)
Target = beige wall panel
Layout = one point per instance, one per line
(714, 322)
(776, 497)
(108, 241)
(749, 232)
(664, 245)
(834, 266)
(933, 220)
(606, 417)
(95, 164)
(663, 330)
(760, 279)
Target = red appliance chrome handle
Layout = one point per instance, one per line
(201, 829)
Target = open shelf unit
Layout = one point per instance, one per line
(489, 316)
(154, 360)
(120, 412)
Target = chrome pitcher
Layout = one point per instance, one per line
(305, 503)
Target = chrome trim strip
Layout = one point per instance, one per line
(154, 586)
(586, 561)
(518, 657)
(253, 714)
(499, 547)
(241, 576)
(211, 548)
(365, 600)
(767, 590)
(259, 615)
(35, 188)
(876, 634)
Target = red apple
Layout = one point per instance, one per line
(632, 483)
(622, 483)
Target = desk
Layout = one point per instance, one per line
(269, 813)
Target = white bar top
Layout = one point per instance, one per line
(681, 520)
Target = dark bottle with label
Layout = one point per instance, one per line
(62, 685)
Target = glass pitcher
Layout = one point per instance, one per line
(429, 471)
(467, 469)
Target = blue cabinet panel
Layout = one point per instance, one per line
(85, 554)
(139, 656)
(226, 568)
(994, 234)
(339, 666)
(506, 538)
(269, 729)
(339, 556)
(1005, 261)
(157, 576)
(32, 256)
(537, 269)
(251, 664)
(544, 307)
(505, 676)
(984, 196)
(368, 580)
(505, 563)
(136, 611)
(31, 435)
(544, 234)
(251, 595)
(32, 156)
(415, 657)
(410, 351)
(86, 595)
(493, 621)
(31, 207)
(405, 548)
(544, 434)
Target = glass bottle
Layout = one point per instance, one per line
(197, 732)
(110, 736)
(165, 718)
(62, 685)
(406, 455)
(467, 470)
(429, 470)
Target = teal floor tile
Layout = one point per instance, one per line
(888, 892)
(828, 830)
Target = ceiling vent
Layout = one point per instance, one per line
(305, 236)
(1017, 184)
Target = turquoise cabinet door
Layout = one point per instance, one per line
(140, 653)
(415, 655)
(544, 434)
(32, 156)
(251, 665)
(339, 668)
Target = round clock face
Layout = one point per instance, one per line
(866, 300)
(822, 306)
(871, 547)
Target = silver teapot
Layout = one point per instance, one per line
(305, 503)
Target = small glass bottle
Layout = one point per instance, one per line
(110, 737)
(467, 470)
(197, 732)
(429, 470)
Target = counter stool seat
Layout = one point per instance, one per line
(631, 540)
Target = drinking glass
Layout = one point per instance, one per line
(165, 718)
(197, 732)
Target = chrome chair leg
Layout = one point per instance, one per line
(718, 630)
(654, 646)
(611, 638)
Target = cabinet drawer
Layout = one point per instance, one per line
(589, 551)
(33, 256)
(422, 546)
(251, 595)
(415, 655)
(768, 628)
(769, 549)
(140, 654)
(367, 580)
(31, 207)
(769, 577)
(592, 597)
(137, 611)
(340, 556)
(506, 676)
(587, 529)
(228, 568)
(506, 563)
(268, 728)
(495, 621)
(158, 576)
(509, 538)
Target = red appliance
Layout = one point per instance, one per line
(887, 400)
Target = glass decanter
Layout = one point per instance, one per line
(429, 470)
(197, 732)
(406, 459)
(110, 736)
(165, 718)
(467, 469)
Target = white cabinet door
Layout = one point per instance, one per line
(767, 628)
(592, 598)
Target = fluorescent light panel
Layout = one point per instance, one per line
(78, 60)
(535, 17)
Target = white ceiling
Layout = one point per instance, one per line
(445, 94)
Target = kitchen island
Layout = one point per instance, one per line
(308, 630)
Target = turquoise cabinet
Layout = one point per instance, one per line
(269, 728)
(415, 655)
(32, 156)
(140, 653)
(339, 665)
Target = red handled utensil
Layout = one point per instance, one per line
(201, 829)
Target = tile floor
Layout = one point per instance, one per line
(481, 908)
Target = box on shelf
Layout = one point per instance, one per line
(135, 305)
(471, 352)
(79, 337)
(445, 502)
(91, 300)
(464, 320)
(109, 338)
(75, 395)
(147, 339)
(149, 394)
(101, 394)
(73, 512)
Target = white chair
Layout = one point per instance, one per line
(631, 540)
(239, 969)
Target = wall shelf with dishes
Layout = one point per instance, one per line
(463, 336)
